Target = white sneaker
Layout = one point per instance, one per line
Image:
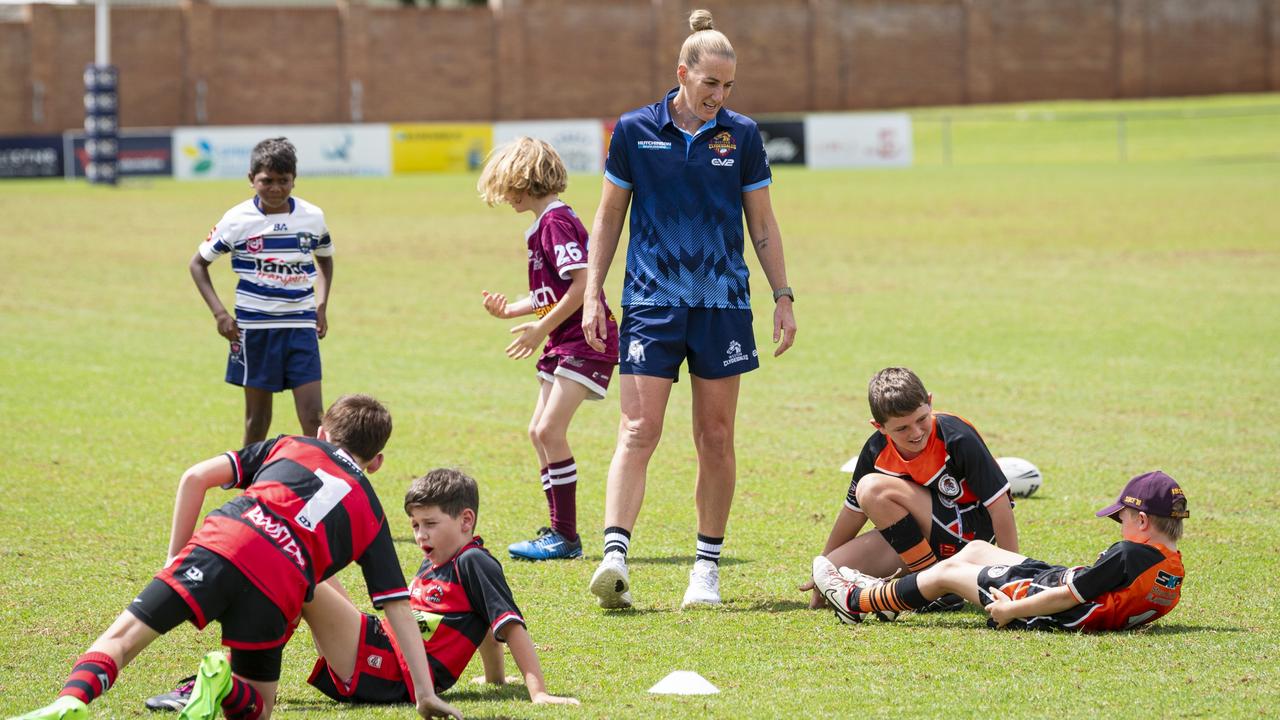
(836, 586)
(610, 583)
(704, 585)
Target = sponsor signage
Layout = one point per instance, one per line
(858, 140)
(577, 141)
(28, 157)
(440, 147)
(207, 152)
(783, 141)
(140, 153)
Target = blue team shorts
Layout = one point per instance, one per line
(717, 342)
(274, 359)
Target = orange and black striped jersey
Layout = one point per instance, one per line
(1131, 584)
(955, 465)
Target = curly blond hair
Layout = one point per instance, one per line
(522, 165)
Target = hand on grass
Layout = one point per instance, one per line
(528, 337)
(433, 706)
(506, 680)
(816, 601)
(1001, 607)
(544, 698)
(495, 304)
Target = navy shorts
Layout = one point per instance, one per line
(274, 359)
(717, 342)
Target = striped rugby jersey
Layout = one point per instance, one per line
(274, 257)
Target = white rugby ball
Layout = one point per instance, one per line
(1024, 477)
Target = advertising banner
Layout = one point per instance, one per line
(577, 141)
(439, 147)
(858, 140)
(141, 153)
(28, 157)
(223, 152)
(783, 141)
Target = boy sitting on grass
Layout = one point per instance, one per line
(459, 597)
(1134, 582)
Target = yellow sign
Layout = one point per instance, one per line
(431, 147)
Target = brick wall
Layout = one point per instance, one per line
(226, 65)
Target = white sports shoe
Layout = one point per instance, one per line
(704, 585)
(610, 583)
(836, 586)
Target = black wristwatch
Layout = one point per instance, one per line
(784, 292)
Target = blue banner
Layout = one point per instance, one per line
(34, 156)
(140, 154)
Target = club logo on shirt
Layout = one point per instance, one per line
(722, 144)
(949, 487)
(253, 244)
(374, 661)
(635, 352)
(306, 241)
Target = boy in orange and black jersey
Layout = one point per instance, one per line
(1134, 582)
(926, 481)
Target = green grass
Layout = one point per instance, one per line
(1099, 319)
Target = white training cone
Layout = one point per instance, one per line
(684, 682)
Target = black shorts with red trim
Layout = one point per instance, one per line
(1025, 579)
(214, 589)
(955, 526)
(378, 677)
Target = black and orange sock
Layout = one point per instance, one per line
(93, 674)
(243, 702)
(896, 596)
(905, 538)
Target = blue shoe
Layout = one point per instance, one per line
(549, 545)
(213, 683)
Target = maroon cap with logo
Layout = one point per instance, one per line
(1154, 493)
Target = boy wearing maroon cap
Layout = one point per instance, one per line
(1134, 582)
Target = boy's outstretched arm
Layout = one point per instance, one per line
(1003, 610)
(405, 629)
(199, 268)
(1003, 524)
(526, 658)
(193, 486)
(496, 305)
(532, 334)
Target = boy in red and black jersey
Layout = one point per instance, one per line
(1134, 582)
(926, 481)
(307, 511)
(459, 597)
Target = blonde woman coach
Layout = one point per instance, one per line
(688, 168)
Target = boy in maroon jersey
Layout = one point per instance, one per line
(459, 597)
(928, 483)
(1133, 582)
(306, 512)
(528, 175)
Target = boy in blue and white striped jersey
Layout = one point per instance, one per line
(281, 251)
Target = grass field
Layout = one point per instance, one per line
(1099, 319)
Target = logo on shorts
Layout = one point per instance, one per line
(949, 487)
(635, 352)
(722, 144)
(997, 571)
(571, 361)
(253, 244)
(734, 353)
(194, 574)
(374, 661)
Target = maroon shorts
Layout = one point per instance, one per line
(591, 373)
(378, 677)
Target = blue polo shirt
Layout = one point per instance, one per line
(686, 205)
